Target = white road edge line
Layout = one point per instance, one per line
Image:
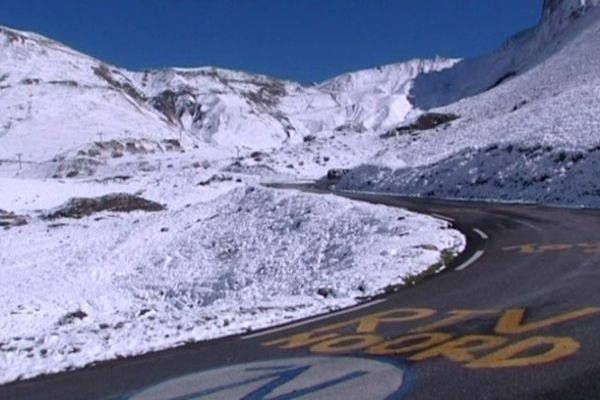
(481, 233)
(309, 321)
(442, 217)
(471, 260)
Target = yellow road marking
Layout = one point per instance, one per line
(532, 248)
(511, 321)
(409, 344)
(364, 324)
(590, 247)
(300, 340)
(425, 343)
(507, 357)
(462, 349)
(346, 344)
(554, 247)
(455, 317)
(528, 248)
(370, 323)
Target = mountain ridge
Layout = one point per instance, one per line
(208, 105)
(62, 108)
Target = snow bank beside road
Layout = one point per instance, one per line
(125, 284)
(508, 172)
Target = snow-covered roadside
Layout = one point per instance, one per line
(125, 284)
(508, 172)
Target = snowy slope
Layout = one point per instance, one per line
(518, 54)
(53, 99)
(226, 108)
(235, 109)
(117, 284)
(377, 99)
(66, 101)
(548, 113)
(226, 256)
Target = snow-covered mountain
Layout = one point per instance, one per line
(62, 100)
(53, 99)
(518, 54)
(65, 114)
(532, 135)
(59, 105)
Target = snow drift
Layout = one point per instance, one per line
(117, 285)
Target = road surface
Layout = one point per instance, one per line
(516, 316)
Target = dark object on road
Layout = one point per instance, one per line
(118, 202)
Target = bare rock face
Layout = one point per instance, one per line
(9, 220)
(118, 202)
(425, 122)
(116, 80)
(174, 105)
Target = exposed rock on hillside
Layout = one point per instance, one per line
(118, 202)
(425, 122)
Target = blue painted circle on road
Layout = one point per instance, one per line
(332, 378)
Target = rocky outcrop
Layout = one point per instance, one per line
(174, 105)
(425, 122)
(80, 207)
(9, 220)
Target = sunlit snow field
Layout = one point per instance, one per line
(117, 284)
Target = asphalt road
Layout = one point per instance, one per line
(517, 316)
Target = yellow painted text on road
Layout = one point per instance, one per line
(532, 248)
(445, 335)
(512, 321)
(511, 356)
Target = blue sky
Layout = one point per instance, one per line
(304, 40)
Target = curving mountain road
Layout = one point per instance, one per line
(516, 316)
